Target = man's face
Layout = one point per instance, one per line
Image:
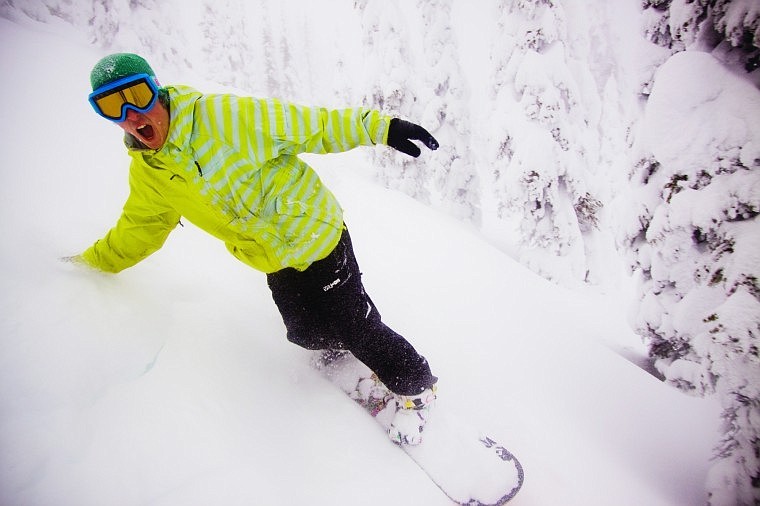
(151, 128)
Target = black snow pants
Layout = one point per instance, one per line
(326, 307)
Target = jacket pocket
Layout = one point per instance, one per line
(292, 208)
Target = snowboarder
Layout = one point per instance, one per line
(229, 165)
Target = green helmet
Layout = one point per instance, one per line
(117, 66)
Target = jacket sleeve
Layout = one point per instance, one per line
(300, 129)
(142, 228)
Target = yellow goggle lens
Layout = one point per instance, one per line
(138, 94)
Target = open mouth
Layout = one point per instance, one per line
(146, 132)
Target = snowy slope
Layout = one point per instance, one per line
(172, 383)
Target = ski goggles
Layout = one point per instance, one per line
(137, 92)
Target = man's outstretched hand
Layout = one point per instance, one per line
(75, 260)
(401, 134)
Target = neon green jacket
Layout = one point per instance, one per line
(230, 167)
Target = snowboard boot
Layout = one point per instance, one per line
(411, 415)
(372, 395)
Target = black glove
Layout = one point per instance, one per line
(401, 133)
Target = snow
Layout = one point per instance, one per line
(172, 383)
(696, 208)
(721, 102)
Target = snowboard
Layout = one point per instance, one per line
(470, 467)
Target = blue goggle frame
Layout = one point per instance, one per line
(124, 88)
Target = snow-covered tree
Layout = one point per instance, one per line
(288, 70)
(114, 25)
(693, 234)
(543, 135)
(47, 11)
(139, 26)
(285, 53)
(273, 77)
(732, 27)
(106, 20)
(445, 114)
(340, 89)
(226, 48)
(390, 85)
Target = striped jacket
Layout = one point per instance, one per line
(230, 167)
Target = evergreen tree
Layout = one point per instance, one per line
(287, 69)
(285, 78)
(731, 27)
(700, 312)
(227, 53)
(390, 86)
(46, 11)
(114, 25)
(454, 179)
(543, 142)
(269, 52)
(139, 26)
(694, 237)
(341, 89)
(105, 22)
